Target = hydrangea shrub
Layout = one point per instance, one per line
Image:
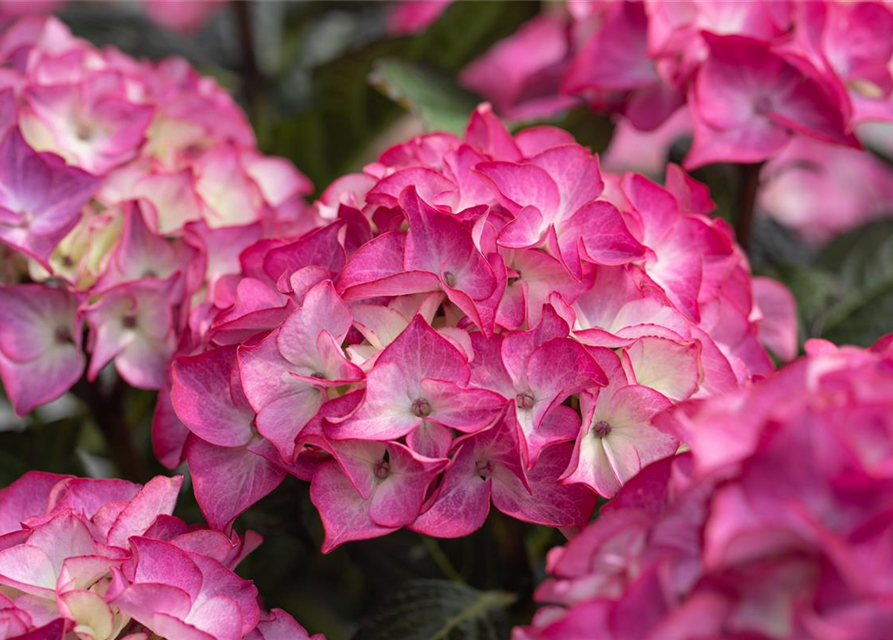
(476, 321)
(775, 524)
(801, 85)
(128, 189)
(105, 559)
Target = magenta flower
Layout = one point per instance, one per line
(104, 559)
(617, 439)
(91, 124)
(40, 197)
(411, 335)
(178, 594)
(539, 369)
(285, 376)
(40, 344)
(411, 16)
(133, 324)
(521, 74)
(419, 397)
(774, 526)
(489, 466)
(552, 199)
(370, 489)
(748, 101)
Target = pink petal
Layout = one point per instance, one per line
(462, 501)
(344, 513)
(394, 383)
(228, 480)
(520, 185)
(203, 398)
(778, 324)
(466, 410)
(547, 502)
(27, 496)
(157, 497)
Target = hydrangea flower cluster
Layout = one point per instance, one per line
(752, 74)
(105, 559)
(777, 524)
(128, 189)
(480, 320)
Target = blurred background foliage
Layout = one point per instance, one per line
(328, 88)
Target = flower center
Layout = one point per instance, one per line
(129, 322)
(383, 466)
(83, 132)
(524, 400)
(63, 336)
(382, 469)
(449, 278)
(602, 429)
(483, 469)
(317, 375)
(762, 105)
(421, 407)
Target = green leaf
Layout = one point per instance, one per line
(331, 132)
(439, 610)
(431, 95)
(861, 261)
(815, 291)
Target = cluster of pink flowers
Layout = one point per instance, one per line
(105, 559)
(777, 524)
(477, 320)
(751, 74)
(128, 189)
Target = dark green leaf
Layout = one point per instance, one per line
(861, 261)
(333, 132)
(439, 610)
(431, 95)
(773, 244)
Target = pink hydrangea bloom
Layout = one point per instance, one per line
(775, 525)
(184, 16)
(808, 187)
(412, 16)
(105, 559)
(40, 344)
(129, 189)
(457, 328)
(750, 75)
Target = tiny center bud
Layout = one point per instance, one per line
(524, 400)
(762, 105)
(129, 322)
(483, 469)
(602, 429)
(421, 407)
(317, 375)
(83, 132)
(382, 469)
(63, 335)
(449, 278)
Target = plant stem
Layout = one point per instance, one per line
(108, 412)
(253, 81)
(749, 186)
(510, 541)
